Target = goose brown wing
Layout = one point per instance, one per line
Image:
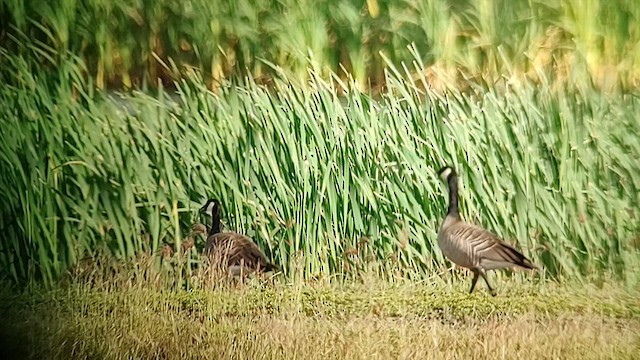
(217, 242)
(245, 249)
(236, 249)
(493, 253)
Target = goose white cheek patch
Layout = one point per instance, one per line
(445, 174)
(209, 209)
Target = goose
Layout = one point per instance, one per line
(237, 252)
(471, 246)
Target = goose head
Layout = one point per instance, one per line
(446, 172)
(211, 208)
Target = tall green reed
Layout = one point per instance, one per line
(323, 177)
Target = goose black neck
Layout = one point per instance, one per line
(215, 223)
(452, 180)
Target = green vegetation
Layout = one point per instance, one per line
(325, 178)
(295, 320)
(121, 41)
(327, 158)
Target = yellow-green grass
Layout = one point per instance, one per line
(326, 320)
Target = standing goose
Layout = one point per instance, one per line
(471, 246)
(236, 252)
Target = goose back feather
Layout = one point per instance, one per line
(232, 250)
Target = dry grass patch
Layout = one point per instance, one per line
(323, 322)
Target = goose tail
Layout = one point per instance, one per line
(271, 267)
(517, 258)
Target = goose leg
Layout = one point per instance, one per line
(476, 274)
(484, 276)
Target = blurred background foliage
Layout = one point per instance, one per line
(123, 42)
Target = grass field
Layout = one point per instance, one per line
(364, 320)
